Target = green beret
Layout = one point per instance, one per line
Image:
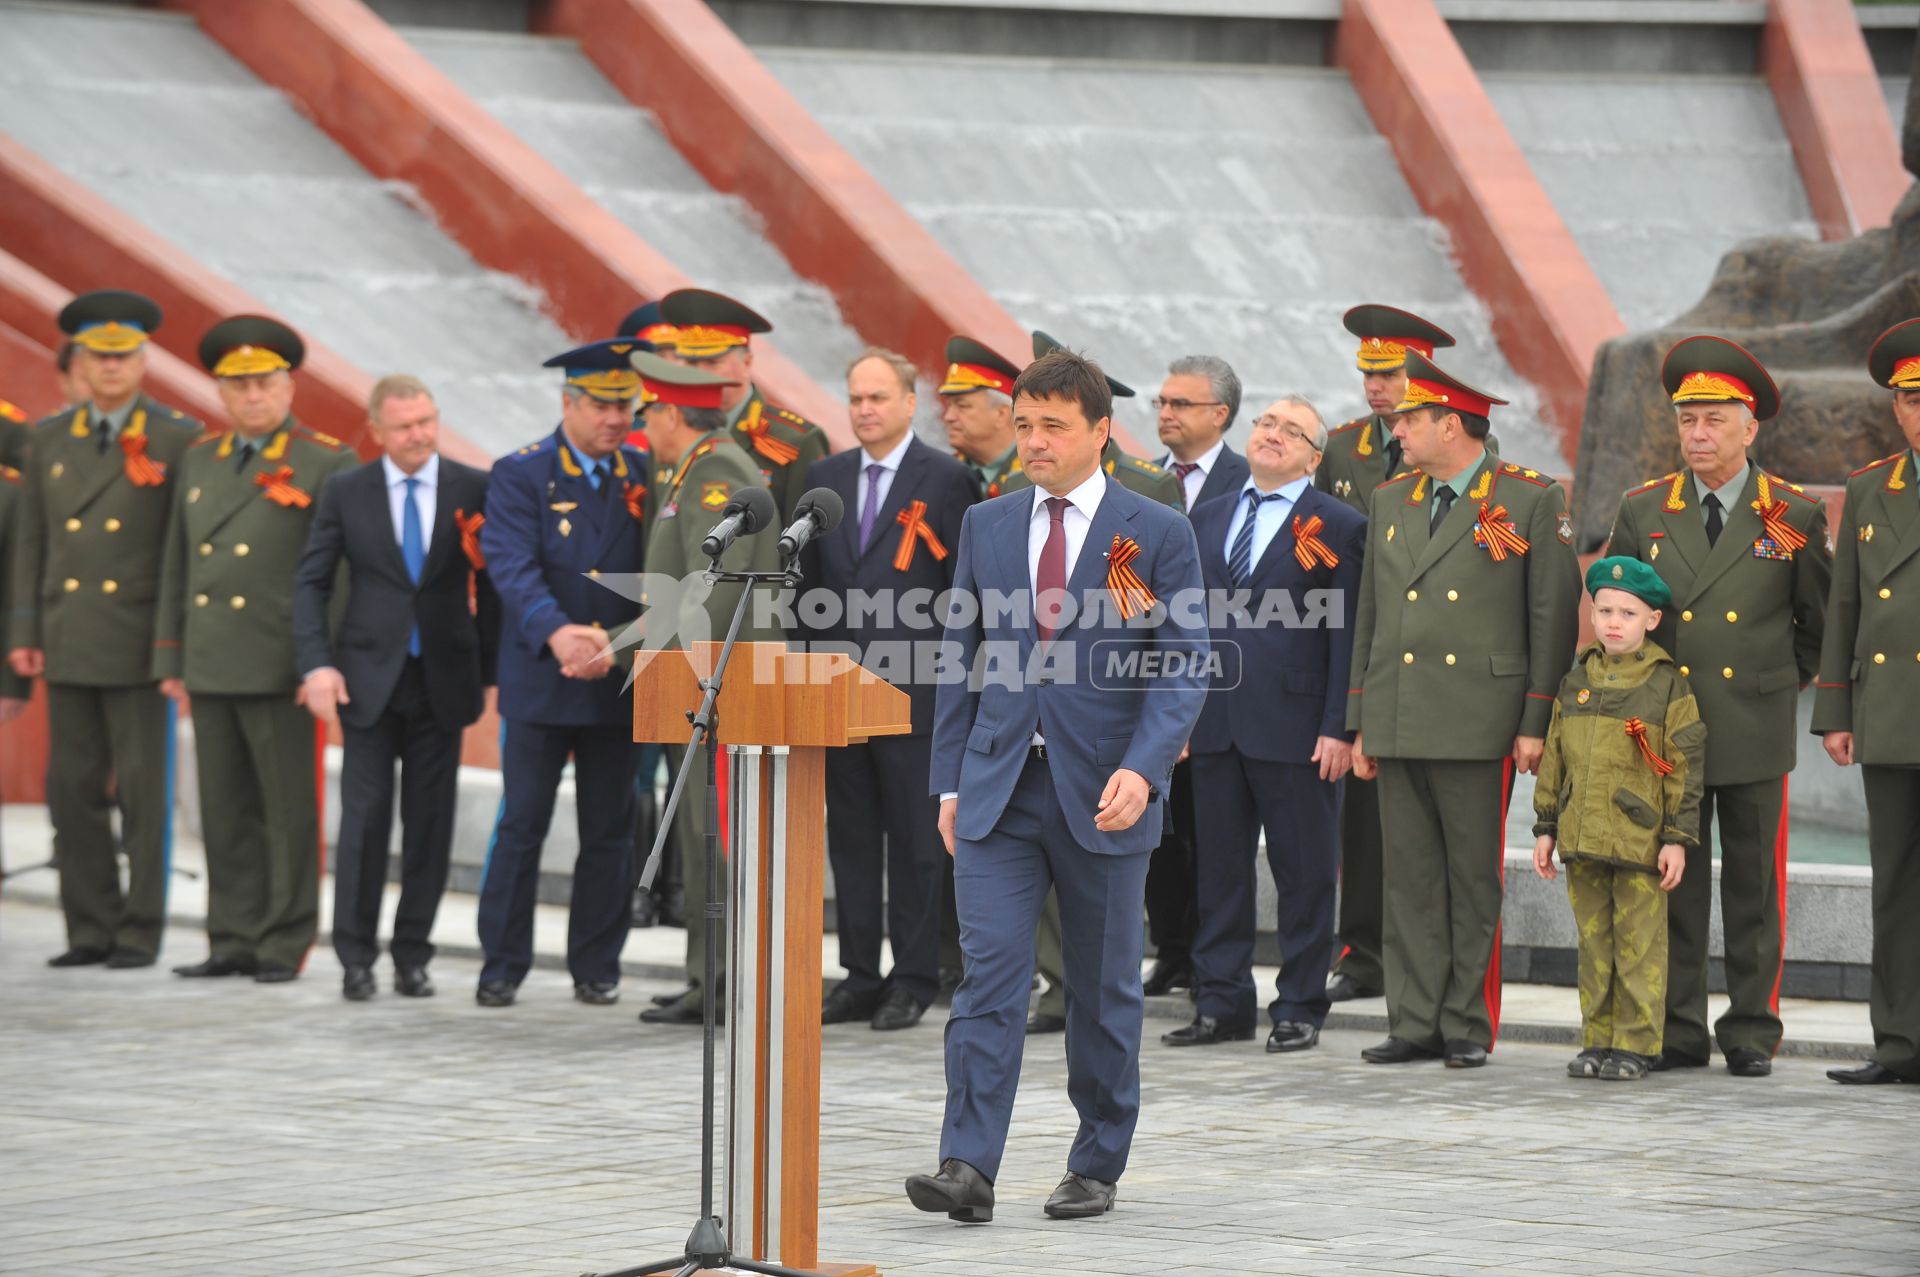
(1633, 576)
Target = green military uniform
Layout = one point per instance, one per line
(994, 474)
(1869, 684)
(1746, 622)
(14, 432)
(690, 503)
(783, 444)
(12, 686)
(1610, 809)
(1464, 628)
(86, 573)
(224, 625)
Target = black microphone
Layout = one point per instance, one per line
(746, 514)
(817, 514)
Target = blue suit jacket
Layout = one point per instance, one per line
(542, 575)
(1282, 686)
(1090, 693)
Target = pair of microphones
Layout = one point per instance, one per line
(753, 511)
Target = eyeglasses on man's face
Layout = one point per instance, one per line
(1273, 425)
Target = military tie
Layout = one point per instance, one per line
(596, 473)
(1240, 562)
(413, 549)
(1053, 565)
(104, 435)
(1393, 456)
(1714, 523)
(1442, 502)
(246, 455)
(871, 510)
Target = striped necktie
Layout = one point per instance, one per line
(1240, 562)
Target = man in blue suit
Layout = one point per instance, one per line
(1051, 757)
(1271, 747)
(561, 513)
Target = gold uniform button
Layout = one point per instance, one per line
(73, 525)
(113, 525)
(1453, 596)
(594, 573)
(1727, 672)
(242, 550)
(109, 587)
(1879, 658)
(1449, 658)
(1885, 593)
(1684, 671)
(1407, 659)
(1412, 595)
(1687, 615)
(199, 600)
(206, 548)
(1732, 617)
(238, 602)
(72, 585)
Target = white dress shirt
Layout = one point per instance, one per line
(1271, 518)
(890, 469)
(425, 497)
(1196, 480)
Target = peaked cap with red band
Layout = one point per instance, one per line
(647, 323)
(1387, 333)
(972, 366)
(1894, 360)
(1427, 386)
(707, 324)
(664, 381)
(1715, 370)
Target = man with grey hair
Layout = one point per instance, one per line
(976, 406)
(1196, 404)
(1747, 559)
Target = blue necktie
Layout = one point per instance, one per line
(1240, 562)
(413, 549)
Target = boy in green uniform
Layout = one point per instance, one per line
(1619, 795)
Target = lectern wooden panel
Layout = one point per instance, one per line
(777, 715)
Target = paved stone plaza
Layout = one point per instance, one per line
(155, 1126)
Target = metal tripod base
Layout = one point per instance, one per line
(706, 1249)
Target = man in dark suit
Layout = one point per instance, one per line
(1271, 748)
(904, 502)
(1195, 407)
(560, 513)
(402, 676)
(1059, 737)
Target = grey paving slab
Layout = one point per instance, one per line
(155, 1126)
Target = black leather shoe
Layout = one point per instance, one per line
(1206, 1030)
(1039, 1022)
(78, 958)
(1079, 1197)
(1744, 1061)
(128, 960)
(412, 982)
(668, 999)
(897, 1010)
(1344, 988)
(957, 1188)
(1870, 1074)
(949, 984)
(844, 1006)
(1462, 1054)
(1398, 1051)
(1167, 975)
(215, 967)
(275, 973)
(1292, 1035)
(495, 993)
(688, 1010)
(597, 993)
(356, 984)
(1667, 1061)
(646, 910)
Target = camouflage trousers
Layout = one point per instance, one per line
(1622, 918)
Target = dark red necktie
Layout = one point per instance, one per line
(1053, 567)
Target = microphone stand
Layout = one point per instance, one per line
(707, 1246)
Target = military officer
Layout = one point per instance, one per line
(976, 407)
(1362, 455)
(560, 513)
(1467, 618)
(647, 323)
(93, 519)
(14, 687)
(1150, 481)
(686, 424)
(714, 332)
(1746, 557)
(243, 502)
(1864, 698)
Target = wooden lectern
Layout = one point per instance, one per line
(778, 714)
